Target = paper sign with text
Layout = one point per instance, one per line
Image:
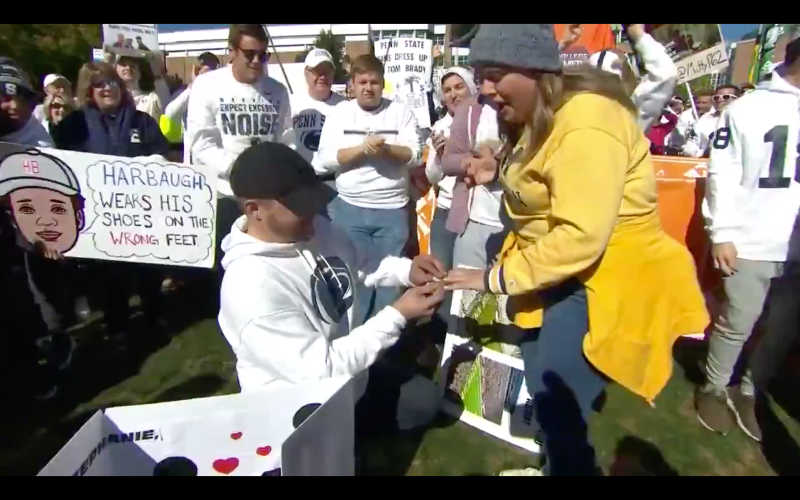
(131, 36)
(143, 210)
(407, 73)
(696, 49)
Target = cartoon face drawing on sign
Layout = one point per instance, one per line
(44, 198)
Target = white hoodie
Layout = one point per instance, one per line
(226, 117)
(753, 193)
(656, 86)
(286, 308)
(32, 134)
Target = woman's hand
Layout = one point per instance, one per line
(465, 279)
(481, 168)
(439, 141)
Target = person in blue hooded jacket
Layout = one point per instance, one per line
(108, 123)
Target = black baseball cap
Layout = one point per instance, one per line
(271, 170)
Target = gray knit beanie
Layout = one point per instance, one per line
(527, 46)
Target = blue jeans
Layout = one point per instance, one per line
(561, 381)
(381, 232)
(442, 244)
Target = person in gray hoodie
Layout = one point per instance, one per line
(289, 288)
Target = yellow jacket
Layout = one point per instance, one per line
(585, 206)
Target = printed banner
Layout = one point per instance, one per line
(265, 433)
(593, 38)
(407, 73)
(484, 385)
(131, 36)
(696, 49)
(111, 208)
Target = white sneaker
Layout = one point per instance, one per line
(530, 471)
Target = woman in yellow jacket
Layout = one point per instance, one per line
(604, 290)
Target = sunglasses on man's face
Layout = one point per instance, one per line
(250, 54)
(56, 106)
(724, 97)
(100, 84)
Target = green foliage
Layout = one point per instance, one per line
(49, 48)
(333, 44)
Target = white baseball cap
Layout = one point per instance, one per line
(317, 57)
(32, 168)
(53, 77)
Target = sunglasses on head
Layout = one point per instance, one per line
(250, 54)
(724, 97)
(99, 84)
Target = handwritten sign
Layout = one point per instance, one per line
(111, 208)
(696, 49)
(407, 73)
(131, 36)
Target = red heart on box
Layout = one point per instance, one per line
(236, 435)
(226, 466)
(264, 450)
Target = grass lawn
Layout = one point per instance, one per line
(197, 362)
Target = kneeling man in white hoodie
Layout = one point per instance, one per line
(290, 280)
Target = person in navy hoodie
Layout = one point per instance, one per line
(108, 123)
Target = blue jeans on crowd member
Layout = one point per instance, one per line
(381, 232)
(442, 243)
(562, 381)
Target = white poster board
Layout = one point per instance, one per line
(141, 210)
(407, 73)
(131, 36)
(696, 49)
(295, 74)
(485, 386)
(307, 429)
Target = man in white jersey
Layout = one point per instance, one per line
(753, 196)
(231, 109)
(370, 143)
(700, 145)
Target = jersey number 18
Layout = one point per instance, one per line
(778, 137)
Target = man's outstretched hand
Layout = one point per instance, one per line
(420, 301)
(426, 268)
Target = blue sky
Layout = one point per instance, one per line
(730, 32)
